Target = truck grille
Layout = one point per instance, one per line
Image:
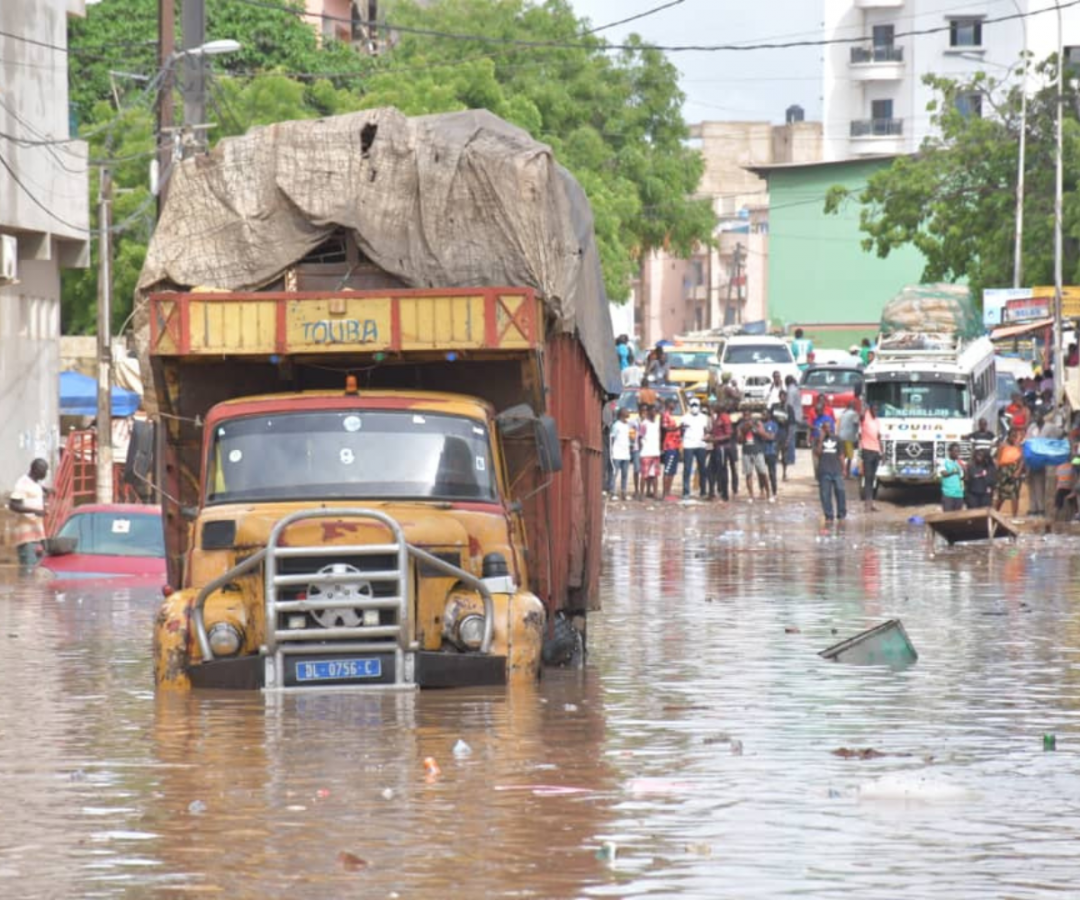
(915, 451)
(338, 614)
(357, 588)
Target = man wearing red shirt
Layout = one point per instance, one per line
(1017, 414)
(671, 444)
(720, 436)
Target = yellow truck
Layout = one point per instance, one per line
(391, 488)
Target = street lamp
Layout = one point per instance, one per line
(104, 486)
(193, 91)
(212, 48)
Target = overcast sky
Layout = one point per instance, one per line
(744, 86)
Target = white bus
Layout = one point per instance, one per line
(930, 391)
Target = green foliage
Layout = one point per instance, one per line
(613, 119)
(956, 199)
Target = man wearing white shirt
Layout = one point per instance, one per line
(694, 427)
(775, 389)
(28, 501)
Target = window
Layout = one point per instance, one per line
(757, 354)
(897, 399)
(1072, 60)
(969, 104)
(350, 455)
(883, 35)
(881, 109)
(965, 32)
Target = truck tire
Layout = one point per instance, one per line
(564, 646)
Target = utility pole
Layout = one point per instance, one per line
(193, 23)
(104, 343)
(166, 48)
(1058, 360)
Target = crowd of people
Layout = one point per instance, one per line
(996, 475)
(713, 443)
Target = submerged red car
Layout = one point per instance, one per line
(108, 541)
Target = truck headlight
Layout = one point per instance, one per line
(225, 639)
(470, 631)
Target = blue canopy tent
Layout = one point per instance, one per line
(78, 397)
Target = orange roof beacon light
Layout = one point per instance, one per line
(350, 385)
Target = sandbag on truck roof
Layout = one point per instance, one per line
(453, 200)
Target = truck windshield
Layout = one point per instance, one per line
(903, 399)
(757, 354)
(347, 455)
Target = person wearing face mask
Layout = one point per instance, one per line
(694, 428)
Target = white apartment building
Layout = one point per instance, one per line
(874, 100)
(44, 220)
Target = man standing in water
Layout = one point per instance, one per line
(28, 500)
(830, 473)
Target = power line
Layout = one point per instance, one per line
(79, 51)
(640, 15)
(33, 198)
(679, 48)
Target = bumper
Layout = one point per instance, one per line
(432, 670)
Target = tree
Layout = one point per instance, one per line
(955, 199)
(114, 80)
(613, 119)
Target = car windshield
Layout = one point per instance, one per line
(695, 360)
(629, 399)
(832, 380)
(350, 455)
(115, 533)
(900, 399)
(751, 354)
(1007, 385)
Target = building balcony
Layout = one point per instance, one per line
(861, 128)
(877, 136)
(697, 292)
(881, 63)
(878, 4)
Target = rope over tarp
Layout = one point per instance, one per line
(456, 200)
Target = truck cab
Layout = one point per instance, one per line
(351, 537)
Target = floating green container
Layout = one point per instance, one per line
(884, 645)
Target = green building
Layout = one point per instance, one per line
(819, 277)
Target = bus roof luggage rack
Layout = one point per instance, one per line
(918, 343)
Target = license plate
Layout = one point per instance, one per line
(914, 470)
(338, 669)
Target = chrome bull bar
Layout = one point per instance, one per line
(282, 642)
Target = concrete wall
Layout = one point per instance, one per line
(29, 369)
(44, 204)
(818, 272)
(326, 17)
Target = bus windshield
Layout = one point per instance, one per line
(919, 399)
(347, 455)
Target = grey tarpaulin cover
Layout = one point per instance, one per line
(454, 200)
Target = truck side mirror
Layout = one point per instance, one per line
(548, 448)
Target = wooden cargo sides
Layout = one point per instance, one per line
(564, 523)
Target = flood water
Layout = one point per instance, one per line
(697, 745)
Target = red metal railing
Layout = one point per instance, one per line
(75, 481)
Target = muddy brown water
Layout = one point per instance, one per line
(697, 746)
